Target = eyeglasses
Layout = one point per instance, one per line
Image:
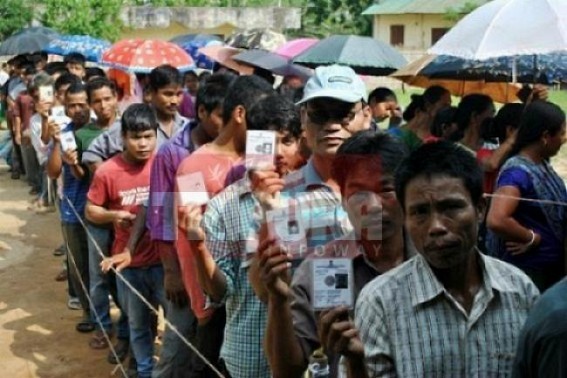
(323, 116)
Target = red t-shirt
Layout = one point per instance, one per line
(489, 177)
(24, 108)
(120, 185)
(219, 171)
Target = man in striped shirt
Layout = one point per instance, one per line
(450, 311)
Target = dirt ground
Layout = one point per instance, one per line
(37, 330)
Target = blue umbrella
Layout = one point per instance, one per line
(91, 48)
(546, 68)
(192, 48)
(26, 41)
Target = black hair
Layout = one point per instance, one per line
(417, 102)
(212, 91)
(21, 61)
(470, 105)
(92, 72)
(382, 94)
(52, 68)
(139, 117)
(98, 83)
(65, 79)
(36, 58)
(434, 93)
(75, 88)
(164, 76)
(75, 58)
(379, 151)
(190, 73)
(274, 112)
(538, 117)
(509, 115)
(441, 159)
(29, 69)
(265, 74)
(444, 116)
(244, 91)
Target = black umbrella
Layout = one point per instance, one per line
(365, 55)
(27, 41)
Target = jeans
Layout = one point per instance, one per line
(101, 285)
(78, 249)
(175, 359)
(149, 282)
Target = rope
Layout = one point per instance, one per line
(139, 295)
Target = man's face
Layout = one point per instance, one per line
(60, 93)
(77, 108)
(76, 69)
(442, 219)
(166, 100)
(139, 145)
(211, 122)
(192, 84)
(287, 153)
(382, 110)
(328, 123)
(104, 103)
(371, 203)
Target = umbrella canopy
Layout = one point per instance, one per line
(272, 62)
(412, 74)
(295, 47)
(224, 55)
(365, 55)
(200, 38)
(91, 48)
(27, 41)
(192, 48)
(142, 56)
(506, 28)
(259, 38)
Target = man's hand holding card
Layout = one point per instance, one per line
(192, 196)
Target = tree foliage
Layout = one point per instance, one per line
(14, 15)
(455, 15)
(322, 18)
(97, 18)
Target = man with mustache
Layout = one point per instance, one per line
(450, 310)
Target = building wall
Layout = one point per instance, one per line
(417, 31)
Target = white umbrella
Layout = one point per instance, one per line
(507, 28)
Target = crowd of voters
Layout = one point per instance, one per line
(313, 228)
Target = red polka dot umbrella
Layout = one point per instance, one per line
(142, 56)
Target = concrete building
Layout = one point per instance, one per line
(168, 22)
(413, 25)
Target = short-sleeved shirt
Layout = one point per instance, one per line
(109, 143)
(160, 215)
(219, 171)
(74, 191)
(24, 109)
(35, 135)
(542, 350)
(227, 223)
(304, 317)
(120, 185)
(530, 215)
(85, 135)
(411, 326)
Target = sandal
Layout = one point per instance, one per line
(99, 341)
(85, 326)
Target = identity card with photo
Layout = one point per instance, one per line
(192, 189)
(45, 93)
(332, 283)
(285, 225)
(260, 148)
(68, 141)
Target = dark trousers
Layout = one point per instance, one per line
(208, 341)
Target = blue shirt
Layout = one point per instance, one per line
(74, 191)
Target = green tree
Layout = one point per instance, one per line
(455, 15)
(97, 18)
(15, 14)
(322, 18)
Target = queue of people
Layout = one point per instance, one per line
(319, 229)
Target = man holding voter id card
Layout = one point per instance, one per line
(304, 210)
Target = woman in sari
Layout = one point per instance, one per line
(527, 216)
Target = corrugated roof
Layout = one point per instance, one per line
(417, 6)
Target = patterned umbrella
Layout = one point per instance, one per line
(142, 56)
(27, 41)
(192, 48)
(91, 48)
(258, 38)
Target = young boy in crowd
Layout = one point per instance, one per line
(75, 64)
(120, 185)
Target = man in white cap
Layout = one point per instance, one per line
(333, 108)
